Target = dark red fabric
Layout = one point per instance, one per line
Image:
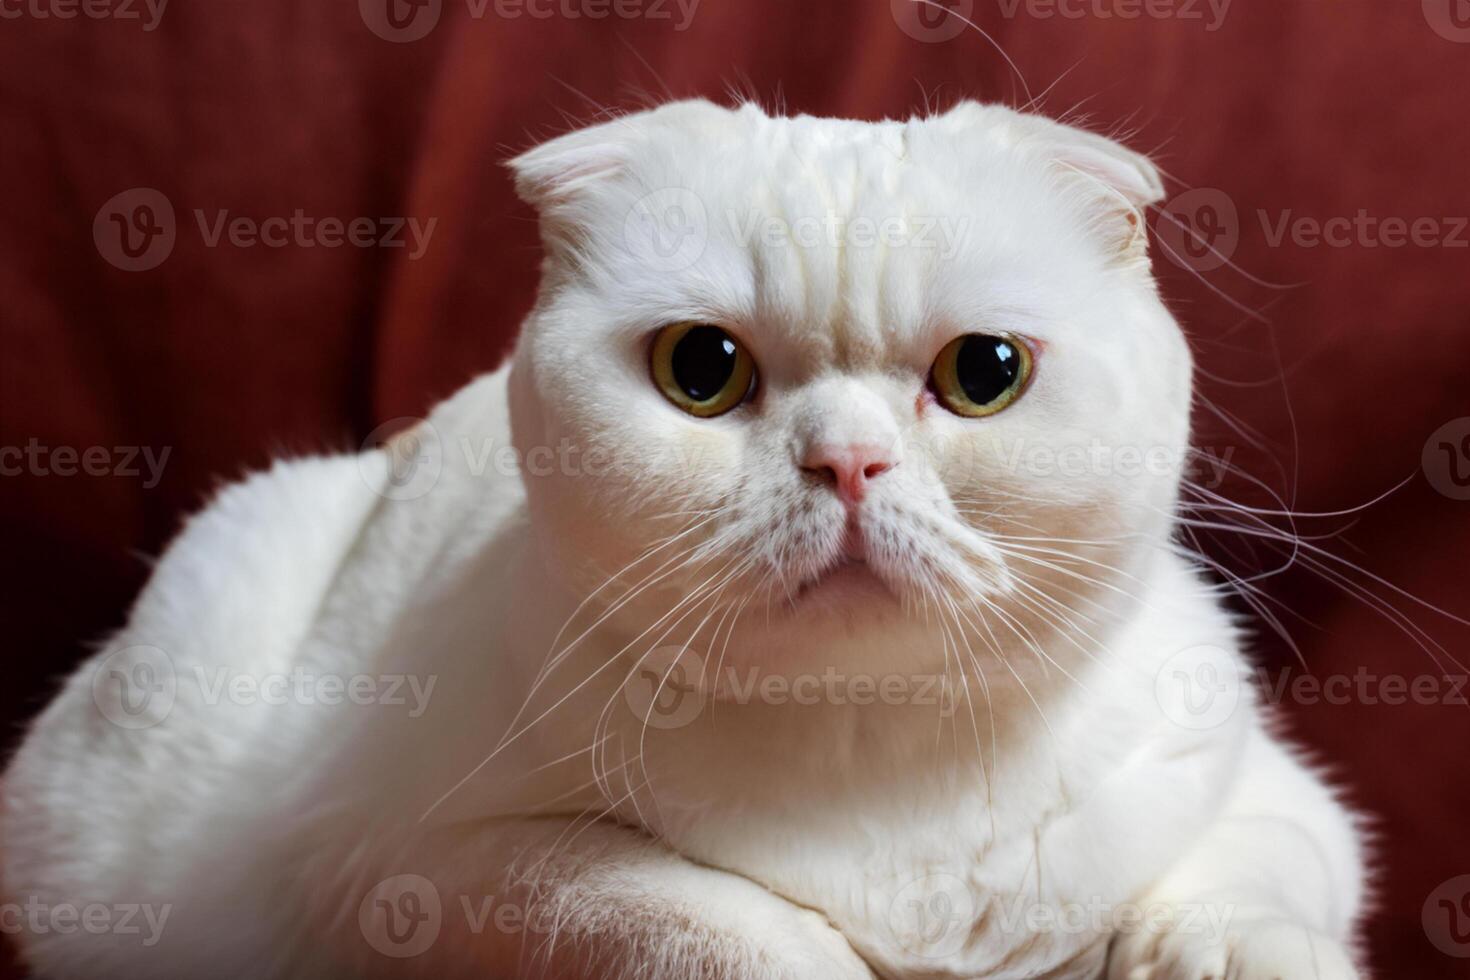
(226, 356)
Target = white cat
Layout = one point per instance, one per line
(801, 602)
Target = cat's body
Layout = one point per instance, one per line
(779, 812)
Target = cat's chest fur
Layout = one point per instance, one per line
(930, 862)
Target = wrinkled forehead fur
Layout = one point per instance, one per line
(980, 215)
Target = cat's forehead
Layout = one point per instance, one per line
(843, 241)
(840, 241)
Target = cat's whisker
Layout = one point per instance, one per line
(994, 647)
(693, 600)
(553, 660)
(951, 12)
(969, 698)
(946, 641)
(1019, 555)
(548, 808)
(511, 738)
(1314, 554)
(577, 827)
(704, 662)
(729, 633)
(1029, 639)
(1061, 621)
(975, 601)
(633, 590)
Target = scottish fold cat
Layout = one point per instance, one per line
(801, 601)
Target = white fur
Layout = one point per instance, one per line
(763, 838)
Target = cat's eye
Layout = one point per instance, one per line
(702, 369)
(980, 374)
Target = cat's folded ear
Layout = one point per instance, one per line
(559, 176)
(1109, 181)
(556, 171)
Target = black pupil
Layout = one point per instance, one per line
(987, 367)
(703, 362)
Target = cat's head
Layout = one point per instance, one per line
(836, 375)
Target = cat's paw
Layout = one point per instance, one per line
(805, 946)
(654, 941)
(1264, 949)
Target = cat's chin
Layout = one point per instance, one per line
(847, 587)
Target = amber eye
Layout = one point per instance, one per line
(702, 369)
(979, 374)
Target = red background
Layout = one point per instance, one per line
(227, 356)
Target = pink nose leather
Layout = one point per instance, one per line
(848, 469)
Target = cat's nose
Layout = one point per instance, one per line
(848, 468)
